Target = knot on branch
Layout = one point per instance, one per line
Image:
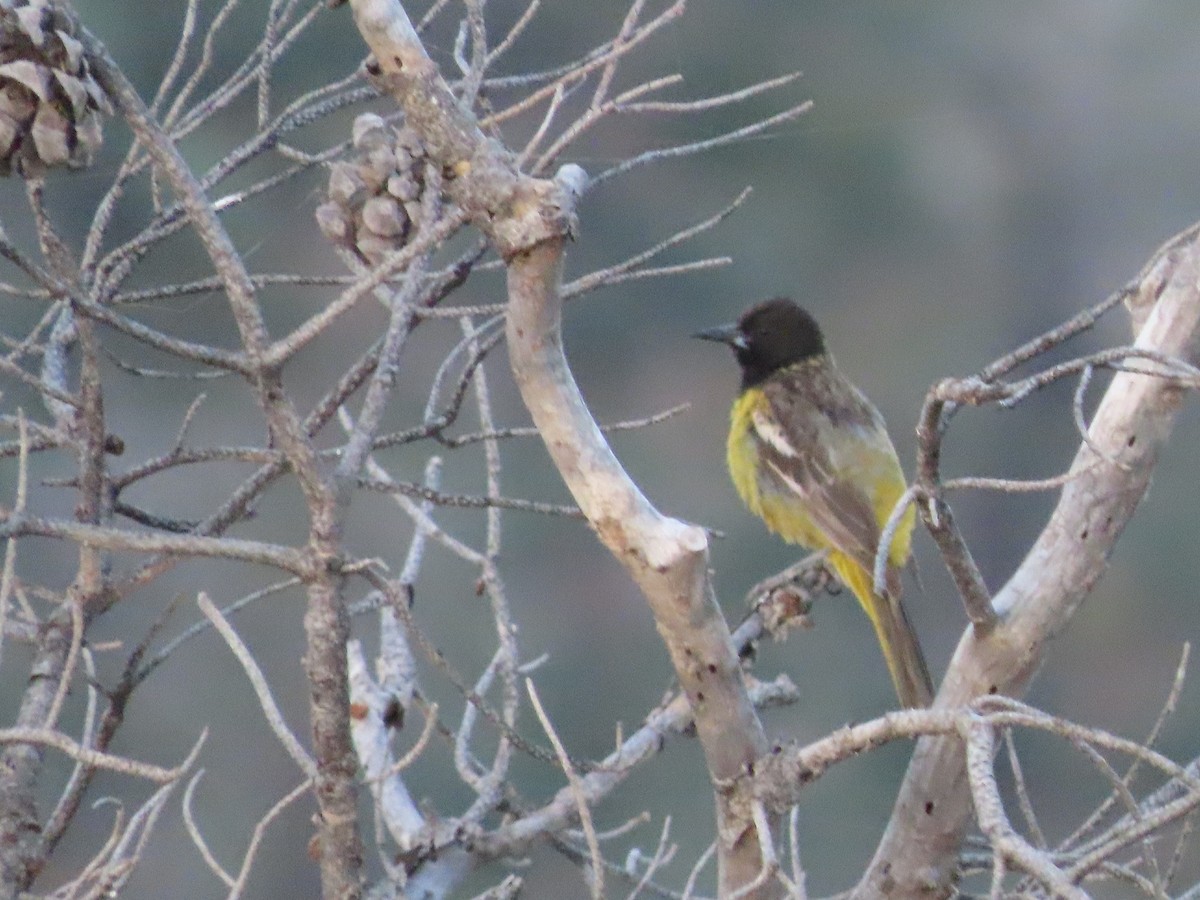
(1142, 293)
(971, 390)
(538, 210)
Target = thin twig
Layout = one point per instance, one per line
(596, 882)
(258, 681)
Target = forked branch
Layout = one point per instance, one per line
(1110, 475)
(527, 220)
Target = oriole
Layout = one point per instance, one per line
(810, 455)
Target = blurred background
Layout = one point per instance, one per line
(969, 176)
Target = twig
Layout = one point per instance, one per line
(464, 501)
(105, 538)
(262, 690)
(596, 882)
(94, 758)
(260, 830)
(662, 855)
(770, 861)
(1024, 802)
(197, 836)
(690, 885)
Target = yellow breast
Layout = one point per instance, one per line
(853, 457)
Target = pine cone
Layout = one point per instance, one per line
(50, 104)
(374, 194)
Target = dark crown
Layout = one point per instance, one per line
(773, 335)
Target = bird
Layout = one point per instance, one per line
(810, 455)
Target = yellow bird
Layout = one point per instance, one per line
(810, 455)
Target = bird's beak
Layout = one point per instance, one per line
(723, 334)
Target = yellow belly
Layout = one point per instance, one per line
(858, 455)
(874, 469)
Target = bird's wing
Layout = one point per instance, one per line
(830, 455)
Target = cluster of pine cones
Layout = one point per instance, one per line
(51, 107)
(52, 111)
(375, 193)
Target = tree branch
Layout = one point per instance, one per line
(326, 623)
(917, 853)
(526, 220)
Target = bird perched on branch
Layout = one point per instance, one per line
(810, 455)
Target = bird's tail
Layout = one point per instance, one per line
(897, 639)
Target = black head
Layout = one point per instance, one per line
(773, 335)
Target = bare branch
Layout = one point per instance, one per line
(989, 808)
(665, 557)
(1131, 424)
(585, 814)
(265, 701)
(45, 737)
